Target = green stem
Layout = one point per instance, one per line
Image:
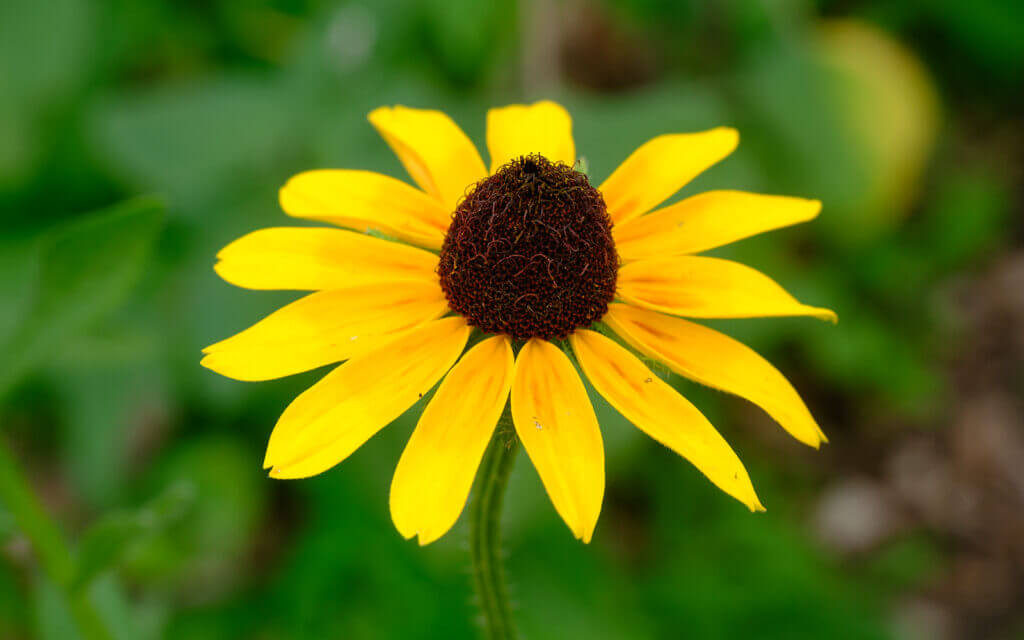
(485, 533)
(48, 542)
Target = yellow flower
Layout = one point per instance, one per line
(521, 255)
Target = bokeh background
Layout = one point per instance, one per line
(905, 118)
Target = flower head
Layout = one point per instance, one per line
(529, 252)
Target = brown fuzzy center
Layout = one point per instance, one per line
(529, 252)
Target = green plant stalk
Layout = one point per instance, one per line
(48, 542)
(485, 533)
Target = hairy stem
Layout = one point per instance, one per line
(485, 533)
(54, 555)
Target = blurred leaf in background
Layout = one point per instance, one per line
(890, 106)
(82, 270)
(104, 543)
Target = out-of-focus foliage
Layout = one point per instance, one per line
(81, 270)
(903, 118)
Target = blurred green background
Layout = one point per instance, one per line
(137, 138)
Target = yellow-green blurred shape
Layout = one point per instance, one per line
(889, 102)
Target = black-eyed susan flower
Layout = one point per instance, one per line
(526, 258)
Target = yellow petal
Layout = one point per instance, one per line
(364, 201)
(516, 130)
(433, 149)
(659, 411)
(708, 220)
(436, 470)
(325, 327)
(661, 167)
(701, 287)
(337, 415)
(311, 259)
(558, 428)
(718, 361)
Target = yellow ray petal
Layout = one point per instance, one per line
(661, 167)
(701, 287)
(708, 220)
(436, 470)
(337, 415)
(718, 361)
(364, 201)
(660, 412)
(558, 428)
(433, 149)
(311, 259)
(516, 130)
(324, 327)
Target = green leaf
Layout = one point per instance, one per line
(53, 618)
(47, 52)
(193, 139)
(208, 547)
(85, 268)
(109, 538)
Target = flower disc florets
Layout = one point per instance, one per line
(529, 252)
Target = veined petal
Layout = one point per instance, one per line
(364, 201)
(659, 411)
(433, 149)
(337, 415)
(702, 287)
(325, 327)
(708, 220)
(558, 428)
(661, 167)
(516, 130)
(436, 471)
(716, 360)
(312, 259)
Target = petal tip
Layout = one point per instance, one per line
(814, 440)
(820, 313)
(828, 315)
(284, 473)
(223, 363)
(753, 502)
(405, 532)
(424, 539)
(377, 114)
(586, 533)
(282, 198)
(267, 462)
(220, 268)
(730, 134)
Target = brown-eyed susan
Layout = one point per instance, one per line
(523, 261)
